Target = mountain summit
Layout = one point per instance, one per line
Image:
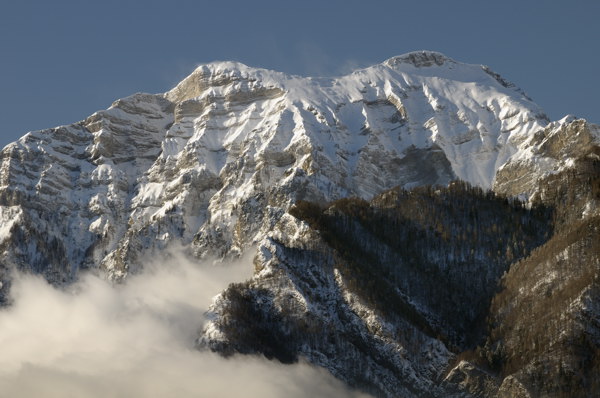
(186, 165)
(235, 158)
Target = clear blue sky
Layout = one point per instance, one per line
(62, 60)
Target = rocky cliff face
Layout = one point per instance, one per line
(388, 288)
(217, 160)
(543, 334)
(217, 163)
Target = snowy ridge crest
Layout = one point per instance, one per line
(214, 162)
(419, 59)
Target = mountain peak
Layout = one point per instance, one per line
(224, 67)
(419, 59)
(194, 160)
(220, 74)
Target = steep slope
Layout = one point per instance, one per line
(543, 338)
(369, 282)
(217, 160)
(65, 193)
(559, 147)
(545, 323)
(378, 292)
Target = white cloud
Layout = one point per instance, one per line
(135, 340)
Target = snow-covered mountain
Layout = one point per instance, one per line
(216, 163)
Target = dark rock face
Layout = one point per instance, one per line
(411, 267)
(510, 292)
(544, 329)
